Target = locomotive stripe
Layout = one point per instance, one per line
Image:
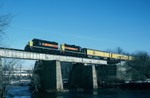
(51, 45)
(70, 48)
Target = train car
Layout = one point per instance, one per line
(115, 56)
(120, 57)
(37, 45)
(124, 57)
(67, 47)
(131, 57)
(71, 50)
(92, 53)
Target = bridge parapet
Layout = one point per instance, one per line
(20, 54)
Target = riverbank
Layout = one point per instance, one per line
(127, 85)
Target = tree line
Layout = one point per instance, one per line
(138, 67)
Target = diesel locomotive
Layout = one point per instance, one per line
(51, 47)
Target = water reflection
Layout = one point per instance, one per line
(47, 95)
(23, 92)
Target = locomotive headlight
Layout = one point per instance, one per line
(30, 43)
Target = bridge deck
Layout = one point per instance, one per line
(20, 54)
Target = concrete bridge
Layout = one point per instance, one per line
(49, 69)
(21, 54)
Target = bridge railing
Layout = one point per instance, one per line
(20, 54)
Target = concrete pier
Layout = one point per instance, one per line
(90, 77)
(83, 77)
(50, 76)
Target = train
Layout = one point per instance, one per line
(51, 47)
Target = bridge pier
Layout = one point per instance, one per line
(50, 76)
(83, 77)
(90, 77)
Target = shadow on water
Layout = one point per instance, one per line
(102, 93)
(23, 92)
(70, 94)
(18, 92)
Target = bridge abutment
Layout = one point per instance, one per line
(83, 77)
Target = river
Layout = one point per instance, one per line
(23, 92)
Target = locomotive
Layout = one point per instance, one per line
(42, 46)
(51, 47)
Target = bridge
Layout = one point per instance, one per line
(49, 69)
(21, 54)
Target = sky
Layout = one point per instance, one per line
(95, 24)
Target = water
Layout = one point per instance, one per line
(18, 92)
(23, 92)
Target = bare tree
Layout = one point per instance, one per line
(118, 50)
(4, 22)
(8, 69)
(1, 79)
(35, 80)
(141, 63)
